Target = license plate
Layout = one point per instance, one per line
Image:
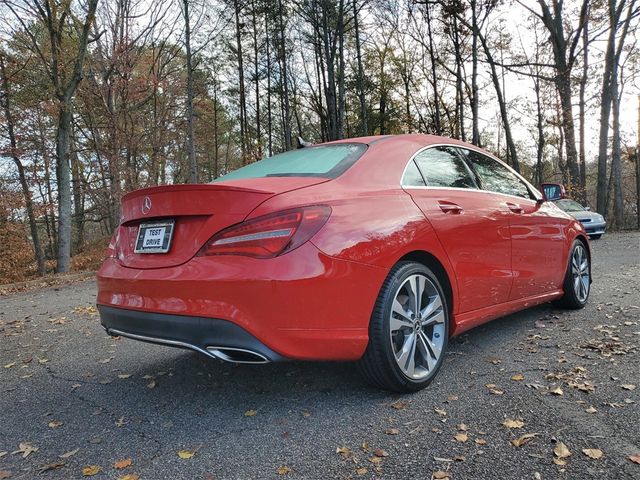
(154, 237)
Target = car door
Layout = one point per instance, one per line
(472, 225)
(537, 235)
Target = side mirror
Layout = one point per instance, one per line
(552, 191)
(587, 208)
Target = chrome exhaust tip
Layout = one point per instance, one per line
(237, 355)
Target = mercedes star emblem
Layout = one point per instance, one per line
(146, 205)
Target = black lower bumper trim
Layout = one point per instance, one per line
(196, 333)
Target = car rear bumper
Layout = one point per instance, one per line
(211, 336)
(302, 305)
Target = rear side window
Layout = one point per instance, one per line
(327, 161)
(412, 176)
(443, 167)
(494, 176)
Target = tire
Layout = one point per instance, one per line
(577, 279)
(595, 237)
(405, 354)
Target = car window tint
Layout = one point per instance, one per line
(327, 161)
(443, 167)
(495, 176)
(412, 176)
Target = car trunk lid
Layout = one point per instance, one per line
(198, 210)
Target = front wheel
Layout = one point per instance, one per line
(408, 331)
(577, 280)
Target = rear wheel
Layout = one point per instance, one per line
(577, 280)
(408, 331)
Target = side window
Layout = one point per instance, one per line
(412, 176)
(495, 176)
(443, 167)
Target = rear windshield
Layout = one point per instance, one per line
(569, 205)
(326, 161)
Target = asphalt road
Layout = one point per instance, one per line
(66, 387)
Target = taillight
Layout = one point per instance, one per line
(270, 235)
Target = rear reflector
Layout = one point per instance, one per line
(270, 235)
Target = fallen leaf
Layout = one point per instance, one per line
(4, 474)
(361, 471)
(185, 454)
(120, 422)
(628, 386)
(440, 412)
(344, 451)
(392, 431)
(120, 464)
(91, 470)
(151, 384)
(440, 475)
(480, 441)
(25, 449)
(518, 442)
(591, 409)
(635, 458)
(306, 414)
(50, 466)
(9, 365)
(250, 413)
(493, 388)
(399, 405)
(105, 360)
(124, 375)
(561, 450)
(69, 454)
(283, 470)
(556, 391)
(510, 423)
(593, 453)
(55, 424)
(517, 377)
(375, 460)
(462, 427)
(380, 453)
(461, 437)
(130, 476)
(559, 461)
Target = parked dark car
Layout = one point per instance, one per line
(593, 222)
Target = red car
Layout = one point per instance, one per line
(376, 249)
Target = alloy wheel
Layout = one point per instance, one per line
(417, 327)
(580, 273)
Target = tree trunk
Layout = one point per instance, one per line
(191, 148)
(434, 78)
(269, 118)
(583, 86)
(511, 146)
(64, 187)
(541, 138)
(474, 74)
(257, 73)
(288, 142)
(26, 191)
(364, 129)
(243, 104)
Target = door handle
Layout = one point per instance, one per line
(450, 207)
(514, 207)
